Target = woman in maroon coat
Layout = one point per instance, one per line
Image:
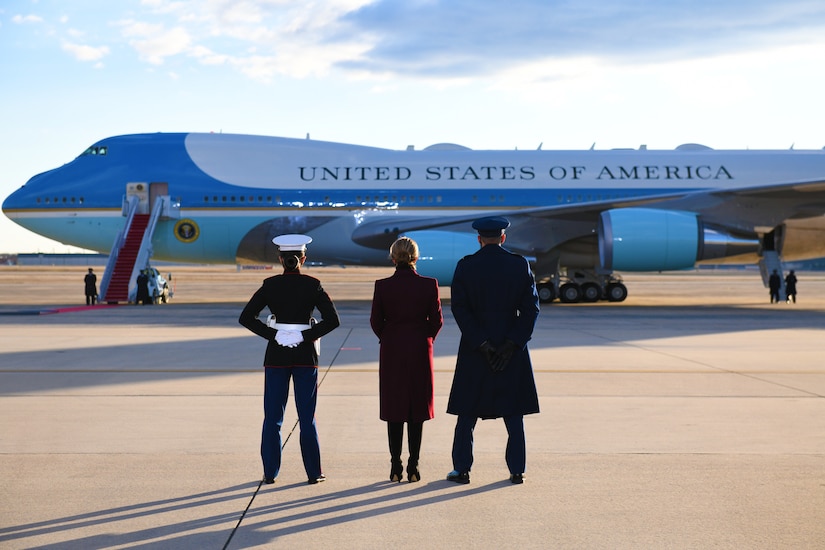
(406, 317)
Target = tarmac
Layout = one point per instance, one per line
(690, 416)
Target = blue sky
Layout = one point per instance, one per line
(731, 74)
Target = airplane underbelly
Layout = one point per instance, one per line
(91, 231)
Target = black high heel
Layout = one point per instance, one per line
(396, 472)
(412, 474)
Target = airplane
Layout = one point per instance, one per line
(578, 216)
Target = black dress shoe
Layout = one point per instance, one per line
(413, 475)
(319, 479)
(269, 480)
(459, 477)
(517, 479)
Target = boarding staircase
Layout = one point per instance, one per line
(131, 252)
(770, 260)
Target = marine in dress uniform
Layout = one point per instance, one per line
(495, 304)
(291, 297)
(406, 317)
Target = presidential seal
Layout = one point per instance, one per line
(187, 231)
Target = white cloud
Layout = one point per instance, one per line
(22, 19)
(82, 52)
(156, 43)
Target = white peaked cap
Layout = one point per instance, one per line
(292, 242)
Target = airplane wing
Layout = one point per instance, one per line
(745, 210)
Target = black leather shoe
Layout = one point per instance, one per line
(319, 479)
(269, 480)
(413, 475)
(459, 477)
(517, 479)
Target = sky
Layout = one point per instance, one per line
(729, 74)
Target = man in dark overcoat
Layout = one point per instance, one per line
(495, 304)
(90, 282)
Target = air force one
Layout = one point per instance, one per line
(578, 216)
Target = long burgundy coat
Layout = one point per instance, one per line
(406, 317)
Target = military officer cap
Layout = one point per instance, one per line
(491, 227)
(286, 243)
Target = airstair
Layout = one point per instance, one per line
(132, 247)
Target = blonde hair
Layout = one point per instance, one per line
(404, 251)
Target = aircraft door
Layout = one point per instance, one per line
(157, 189)
(141, 191)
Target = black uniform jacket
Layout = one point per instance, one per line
(292, 297)
(493, 298)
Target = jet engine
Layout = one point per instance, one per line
(440, 251)
(645, 239)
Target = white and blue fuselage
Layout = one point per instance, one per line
(235, 192)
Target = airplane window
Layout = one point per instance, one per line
(223, 199)
(475, 198)
(260, 198)
(269, 199)
(241, 198)
(232, 199)
(81, 200)
(100, 150)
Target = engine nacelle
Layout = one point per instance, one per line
(439, 252)
(645, 239)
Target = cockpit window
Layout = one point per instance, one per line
(95, 150)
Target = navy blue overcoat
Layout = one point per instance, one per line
(493, 298)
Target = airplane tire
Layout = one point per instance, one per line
(570, 293)
(616, 292)
(547, 293)
(591, 292)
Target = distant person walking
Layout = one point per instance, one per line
(90, 280)
(495, 304)
(406, 317)
(790, 287)
(774, 282)
(291, 334)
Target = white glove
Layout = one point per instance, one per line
(289, 338)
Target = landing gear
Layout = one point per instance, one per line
(591, 292)
(570, 293)
(587, 287)
(616, 292)
(547, 292)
